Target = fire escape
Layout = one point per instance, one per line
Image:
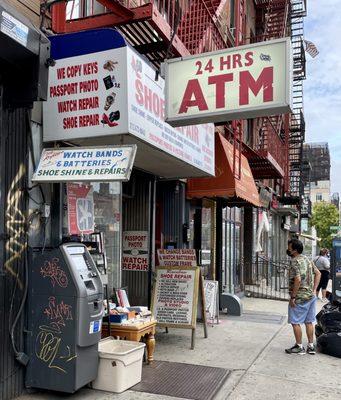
(297, 123)
(155, 28)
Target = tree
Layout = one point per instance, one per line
(324, 216)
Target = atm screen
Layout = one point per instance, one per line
(79, 262)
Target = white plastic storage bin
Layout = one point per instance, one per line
(120, 365)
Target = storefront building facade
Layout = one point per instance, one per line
(106, 90)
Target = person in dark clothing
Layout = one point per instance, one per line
(323, 265)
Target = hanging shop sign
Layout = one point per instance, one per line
(179, 257)
(236, 83)
(80, 164)
(114, 92)
(135, 251)
(80, 209)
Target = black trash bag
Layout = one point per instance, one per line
(329, 318)
(318, 331)
(330, 343)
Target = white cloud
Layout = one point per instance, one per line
(322, 89)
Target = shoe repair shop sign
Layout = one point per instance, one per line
(236, 83)
(86, 164)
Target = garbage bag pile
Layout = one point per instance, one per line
(328, 329)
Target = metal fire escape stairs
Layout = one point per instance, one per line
(297, 123)
(285, 18)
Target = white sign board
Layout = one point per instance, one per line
(236, 83)
(81, 164)
(179, 257)
(135, 251)
(114, 92)
(175, 296)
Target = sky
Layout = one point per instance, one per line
(322, 88)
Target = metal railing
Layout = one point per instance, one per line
(267, 278)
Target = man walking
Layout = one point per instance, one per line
(304, 278)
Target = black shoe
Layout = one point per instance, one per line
(295, 350)
(311, 349)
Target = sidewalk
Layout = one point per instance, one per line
(252, 348)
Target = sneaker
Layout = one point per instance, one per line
(295, 350)
(311, 349)
(324, 300)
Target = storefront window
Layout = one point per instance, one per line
(93, 214)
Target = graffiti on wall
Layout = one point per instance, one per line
(15, 223)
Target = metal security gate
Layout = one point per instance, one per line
(138, 215)
(267, 279)
(13, 167)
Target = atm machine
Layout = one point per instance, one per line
(65, 304)
(336, 269)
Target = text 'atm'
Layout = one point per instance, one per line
(65, 308)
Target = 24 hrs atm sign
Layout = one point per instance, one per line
(241, 82)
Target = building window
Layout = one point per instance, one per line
(319, 197)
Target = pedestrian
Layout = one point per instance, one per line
(304, 278)
(323, 265)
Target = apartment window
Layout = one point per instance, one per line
(319, 197)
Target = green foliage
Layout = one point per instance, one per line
(324, 216)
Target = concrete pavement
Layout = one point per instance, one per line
(252, 348)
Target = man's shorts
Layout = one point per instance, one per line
(303, 313)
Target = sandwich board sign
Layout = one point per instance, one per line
(175, 298)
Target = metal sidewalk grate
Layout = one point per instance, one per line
(260, 318)
(185, 381)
